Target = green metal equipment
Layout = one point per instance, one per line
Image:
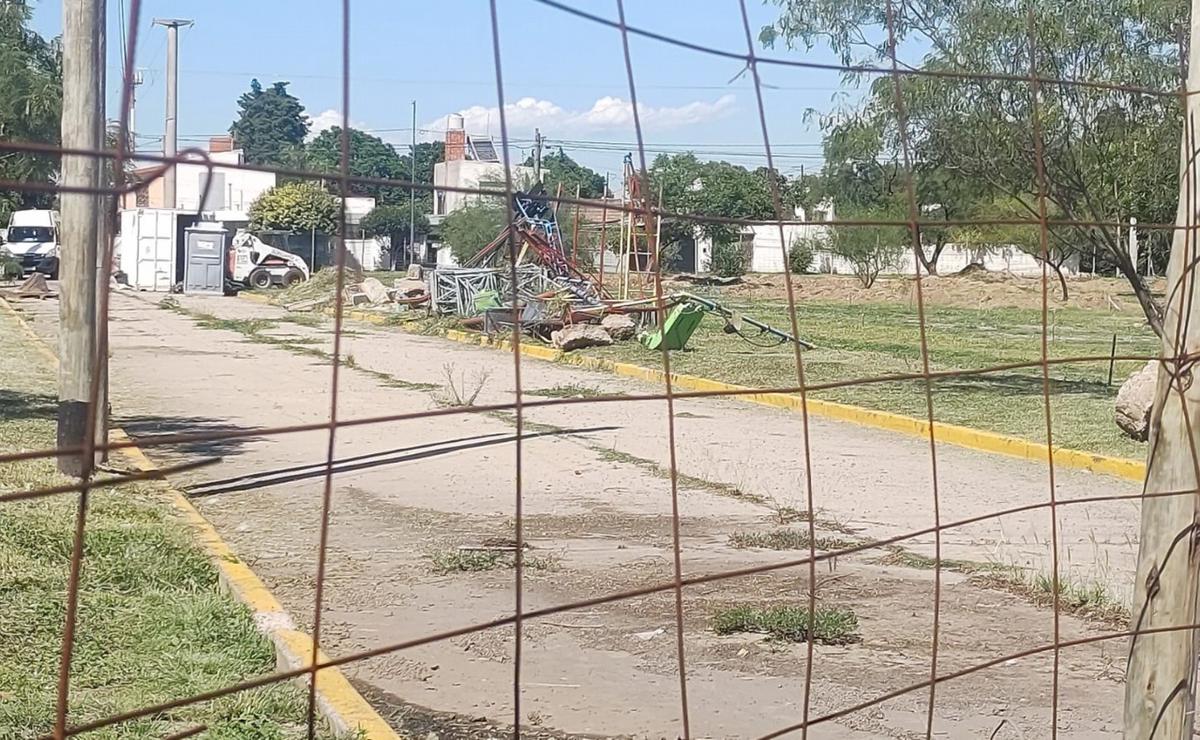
(677, 329)
(689, 311)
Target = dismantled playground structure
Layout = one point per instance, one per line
(560, 299)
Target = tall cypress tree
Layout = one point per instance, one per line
(269, 123)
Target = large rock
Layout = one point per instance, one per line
(415, 272)
(579, 336)
(375, 290)
(1134, 401)
(407, 287)
(619, 326)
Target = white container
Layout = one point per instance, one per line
(148, 250)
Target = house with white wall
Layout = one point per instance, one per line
(226, 191)
(761, 243)
(470, 163)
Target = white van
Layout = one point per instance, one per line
(32, 238)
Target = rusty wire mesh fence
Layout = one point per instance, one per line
(1177, 362)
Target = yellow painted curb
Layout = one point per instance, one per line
(340, 703)
(959, 436)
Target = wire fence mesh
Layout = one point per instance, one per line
(1177, 363)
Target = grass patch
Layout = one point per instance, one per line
(874, 339)
(1086, 600)
(252, 329)
(153, 623)
(447, 562)
(830, 625)
(311, 320)
(465, 561)
(908, 559)
(786, 539)
(570, 391)
(1081, 599)
(248, 327)
(608, 454)
(322, 284)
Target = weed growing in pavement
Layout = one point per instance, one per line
(475, 561)
(786, 539)
(609, 454)
(830, 625)
(1081, 599)
(908, 559)
(1088, 600)
(572, 390)
(311, 320)
(461, 392)
(464, 561)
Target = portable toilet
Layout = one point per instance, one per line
(205, 260)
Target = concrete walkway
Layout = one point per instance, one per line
(594, 496)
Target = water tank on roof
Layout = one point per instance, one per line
(455, 122)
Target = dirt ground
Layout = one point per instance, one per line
(968, 290)
(598, 520)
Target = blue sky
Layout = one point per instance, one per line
(562, 74)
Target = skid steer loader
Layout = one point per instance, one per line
(257, 264)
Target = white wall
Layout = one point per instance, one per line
(368, 252)
(469, 173)
(233, 189)
(767, 256)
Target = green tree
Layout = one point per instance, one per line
(727, 258)
(296, 207)
(558, 168)
(30, 105)
(269, 122)
(1106, 150)
(390, 223)
(1026, 238)
(370, 156)
(801, 254)
(712, 189)
(472, 227)
(870, 249)
(428, 153)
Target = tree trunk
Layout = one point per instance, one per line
(1062, 280)
(930, 263)
(1141, 291)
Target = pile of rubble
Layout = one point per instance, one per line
(614, 327)
(407, 292)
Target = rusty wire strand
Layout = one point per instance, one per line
(777, 204)
(518, 405)
(910, 191)
(1044, 238)
(167, 440)
(669, 395)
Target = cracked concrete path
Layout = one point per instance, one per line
(407, 495)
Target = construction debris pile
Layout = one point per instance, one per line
(558, 300)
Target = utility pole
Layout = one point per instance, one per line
(1160, 679)
(537, 155)
(81, 125)
(138, 79)
(412, 192)
(171, 135)
(106, 179)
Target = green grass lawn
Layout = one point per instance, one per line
(152, 624)
(866, 340)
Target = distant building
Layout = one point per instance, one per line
(471, 163)
(760, 243)
(227, 190)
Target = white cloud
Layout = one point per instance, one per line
(328, 119)
(606, 114)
